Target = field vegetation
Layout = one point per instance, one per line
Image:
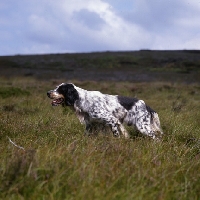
(45, 155)
(140, 66)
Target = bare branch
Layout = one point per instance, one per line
(15, 144)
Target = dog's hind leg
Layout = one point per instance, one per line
(114, 125)
(156, 124)
(146, 130)
(143, 125)
(149, 126)
(123, 131)
(117, 127)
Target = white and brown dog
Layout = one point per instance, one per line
(111, 110)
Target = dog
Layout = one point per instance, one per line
(111, 110)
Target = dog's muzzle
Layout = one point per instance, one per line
(57, 99)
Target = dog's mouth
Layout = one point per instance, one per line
(57, 102)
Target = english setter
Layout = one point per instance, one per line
(112, 110)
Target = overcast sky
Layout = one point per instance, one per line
(49, 26)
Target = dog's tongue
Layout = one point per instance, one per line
(56, 102)
(53, 103)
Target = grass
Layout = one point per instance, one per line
(59, 162)
(12, 91)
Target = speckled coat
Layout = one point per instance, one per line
(111, 110)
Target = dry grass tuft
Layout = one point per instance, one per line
(60, 163)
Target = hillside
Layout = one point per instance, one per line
(137, 66)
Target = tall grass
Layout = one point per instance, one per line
(59, 162)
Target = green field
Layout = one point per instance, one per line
(60, 163)
(56, 160)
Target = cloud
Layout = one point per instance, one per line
(91, 26)
(89, 18)
(48, 26)
(171, 24)
(44, 30)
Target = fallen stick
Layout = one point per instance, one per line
(15, 144)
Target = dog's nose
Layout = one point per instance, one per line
(48, 93)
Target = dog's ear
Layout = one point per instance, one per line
(71, 94)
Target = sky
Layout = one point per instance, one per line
(71, 26)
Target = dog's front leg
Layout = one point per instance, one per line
(88, 129)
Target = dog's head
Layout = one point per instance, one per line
(64, 94)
